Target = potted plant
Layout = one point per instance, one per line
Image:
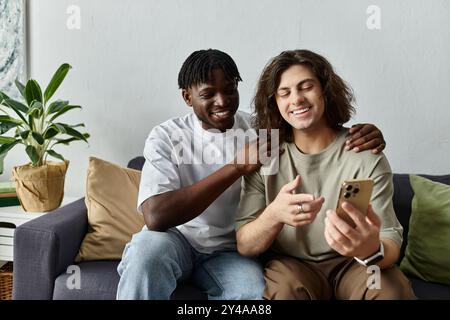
(33, 124)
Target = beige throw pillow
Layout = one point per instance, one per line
(111, 200)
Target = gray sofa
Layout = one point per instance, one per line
(46, 246)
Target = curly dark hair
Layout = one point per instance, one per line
(338, 96)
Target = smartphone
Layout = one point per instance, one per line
(358, 193)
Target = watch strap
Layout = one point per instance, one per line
(377, 256)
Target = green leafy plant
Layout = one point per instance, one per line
(34, 120)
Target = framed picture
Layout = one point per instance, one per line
(13, 48)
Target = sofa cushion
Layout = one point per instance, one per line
(425, 290)
(99, 281)
(428, 252)
(136, 163)
(403, 194)
(111, 198)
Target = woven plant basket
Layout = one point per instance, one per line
(6, 281)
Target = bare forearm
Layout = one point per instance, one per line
(174, 208)
(257, 236)
(391, 253)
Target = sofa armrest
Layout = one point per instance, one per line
(44, 247)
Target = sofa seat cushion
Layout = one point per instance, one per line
(99, 281)
(425, 290)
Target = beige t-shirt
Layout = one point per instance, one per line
(322, 175)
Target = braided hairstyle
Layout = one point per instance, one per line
(198, 67)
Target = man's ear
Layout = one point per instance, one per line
(187, 96)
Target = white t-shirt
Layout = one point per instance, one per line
(179, 153)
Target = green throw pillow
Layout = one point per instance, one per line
(427, 254)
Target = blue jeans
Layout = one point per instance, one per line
(153, 263)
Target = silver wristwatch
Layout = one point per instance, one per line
(377, 256)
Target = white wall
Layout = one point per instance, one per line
(127, 54)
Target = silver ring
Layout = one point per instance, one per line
(300, 208)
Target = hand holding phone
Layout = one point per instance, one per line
(357, 192)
